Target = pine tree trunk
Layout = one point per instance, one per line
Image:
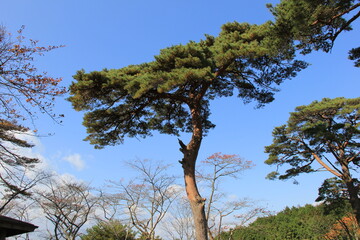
(197, 203)
(353, 192)
(188, 162)
(354, 200)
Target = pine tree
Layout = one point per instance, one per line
(172, 93)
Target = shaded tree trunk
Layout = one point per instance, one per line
(354, 199)
(353, 192)
(188, 163)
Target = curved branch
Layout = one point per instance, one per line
(318, 159)
(346, 25)
(332, 165)
(338, 15)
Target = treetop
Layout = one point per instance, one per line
(161, 94)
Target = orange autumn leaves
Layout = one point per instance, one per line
(345, 228)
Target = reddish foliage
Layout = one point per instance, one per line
(22, 88)
(228, 161)
(345, 227)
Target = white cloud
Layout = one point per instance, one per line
(76, 161)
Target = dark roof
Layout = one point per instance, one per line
(13, 227)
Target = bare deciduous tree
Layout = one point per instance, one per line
(23, 90)
(17, 182)
(217, 167)
(23, 210)
(24, 93)
(147, 198)
(18, 172)
(107, 206)
(179, 224)
(67, 205)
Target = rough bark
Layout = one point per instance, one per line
(188, 162)
(353, 192)
(354, 200)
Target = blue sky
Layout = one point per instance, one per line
(116, 33)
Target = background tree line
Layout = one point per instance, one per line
(307, 222)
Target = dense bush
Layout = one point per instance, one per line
(308, 222)
(111, 230)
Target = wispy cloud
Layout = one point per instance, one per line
(76, 161)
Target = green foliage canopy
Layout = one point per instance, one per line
(314, 24)
(334, 196)
(111, 230)
(326, 132)
(354, 54)
(308, 222)
(163, 94)
(323, 129)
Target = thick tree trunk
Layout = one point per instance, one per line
(197, 203)
(188, 162)
(353, 192)
(354, 199)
